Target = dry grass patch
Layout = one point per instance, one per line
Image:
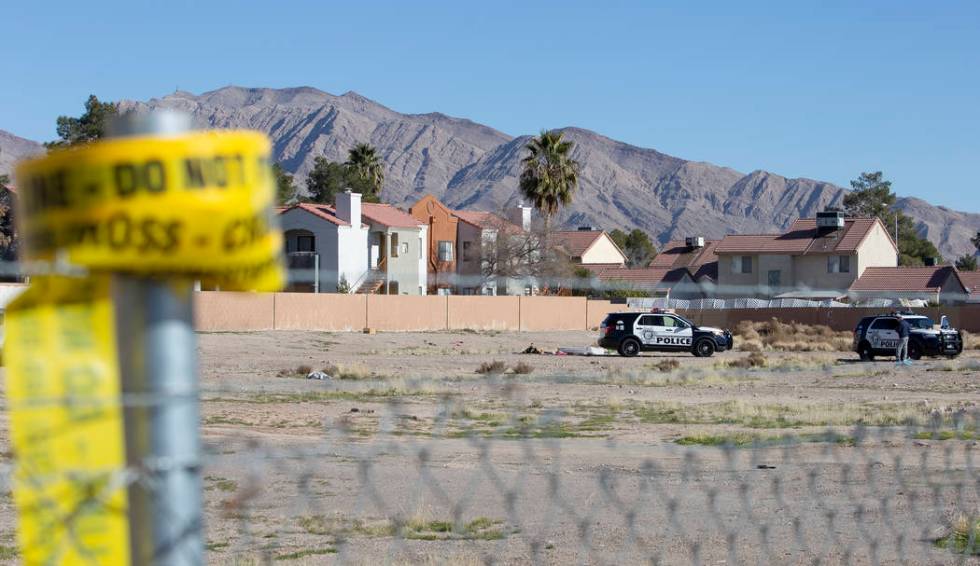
(522, 368)
(492, 368)
(779, 336)
(665, 365)
(753, 360)
(959, 538)
(300, 371)
(970, 341)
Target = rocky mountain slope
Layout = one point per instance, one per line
(13, 149)
(471, 165)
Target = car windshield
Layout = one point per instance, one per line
(921, 323)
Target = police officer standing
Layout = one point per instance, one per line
(902, 352)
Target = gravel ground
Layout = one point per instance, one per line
(414, 457)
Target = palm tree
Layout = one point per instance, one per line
(363, 163)
(549, 175)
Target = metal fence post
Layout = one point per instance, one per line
(158, 363)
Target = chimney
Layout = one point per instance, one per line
(520, 215)
(349, 207)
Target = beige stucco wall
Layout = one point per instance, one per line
(553, 313)
(324, 311)
(737, 284)
(404, 269)
(876, 251)
(603, 250)
(811, 271)
(224, 311)
(405, 312)
(484, 313)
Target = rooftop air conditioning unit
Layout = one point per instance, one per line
(695, 241)
(830, 220)
(931, 261)
(585, 229)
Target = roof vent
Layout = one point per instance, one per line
(586, 228)
(830, 220)
(694, 241)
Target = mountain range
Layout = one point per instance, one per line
(470, 165)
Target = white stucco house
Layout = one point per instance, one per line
(354, 247)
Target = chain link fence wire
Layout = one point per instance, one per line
(513, 469)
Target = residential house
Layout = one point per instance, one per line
(360, 247)
(971, 280)
(441, 225)
(817, 258)
(325, 244)
(397, 252)
(942, 284)
(587, 246)
(654, 281)
(694, 256)
(490, 253)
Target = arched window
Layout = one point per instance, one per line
(300, 241)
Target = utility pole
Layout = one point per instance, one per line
(158, 364)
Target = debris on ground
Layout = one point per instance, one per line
(584, 351)
(317, 375)
(532, 349)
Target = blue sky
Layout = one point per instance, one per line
(813, 89)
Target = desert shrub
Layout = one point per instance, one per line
(298, 371)
(493, 367)
(666, 365)
(522, 368)
(353, 372)
(970, 341)
(753, 360)
(790, 337)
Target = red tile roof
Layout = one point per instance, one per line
(699, 262)
(323, 211)
(904, 279)
(388, 215)
(482, 219)
(802, 238)
(646, 276)
(971, 281)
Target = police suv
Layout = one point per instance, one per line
(630, 333)
(878, 336)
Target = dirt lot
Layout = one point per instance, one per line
(409, 455)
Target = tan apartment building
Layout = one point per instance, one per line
(816, 258)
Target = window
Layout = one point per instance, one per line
(305, 244)
(394, 245)
(671, 322)
(421, 249)
(445, 250)
(775, 278)
(885, 324)
(466, 251)
(650, 320)
(742, 264)
(393, 287)
(839, 264)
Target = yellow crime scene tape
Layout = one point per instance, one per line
(194, 206)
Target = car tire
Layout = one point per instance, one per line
(704, 348)
(915, 351)
(866, 353)
(629, 348)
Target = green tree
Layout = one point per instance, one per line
(286, 192)
(967, 262)
(8, 235)
(639, 250)
(325, 180)
(549, 175)
(619, 237)
(365, 169)
(872, 196)
(90, 126)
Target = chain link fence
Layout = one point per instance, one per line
(512, 468)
